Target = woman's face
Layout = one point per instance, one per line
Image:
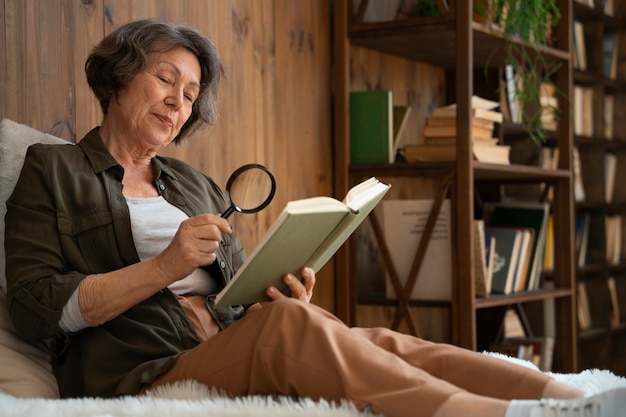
(158, 101)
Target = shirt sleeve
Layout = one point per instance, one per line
(72, 319)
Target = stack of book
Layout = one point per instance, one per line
(440, 135)
(515, 238)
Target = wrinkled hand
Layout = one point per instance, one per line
(300, 289)
(194, 245)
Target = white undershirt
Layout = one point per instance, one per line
(154, 223)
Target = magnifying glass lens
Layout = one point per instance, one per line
(250, 189)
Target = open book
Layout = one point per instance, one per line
(307, 233)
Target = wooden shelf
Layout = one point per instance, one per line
(432, 40)
(482, 171)
(459, 46)
(495, 300)
(601, 337)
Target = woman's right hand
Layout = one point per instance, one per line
(194, 245)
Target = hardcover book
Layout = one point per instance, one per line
(371, 127)
(506, 257)
(307, 233)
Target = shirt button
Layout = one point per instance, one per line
(162, 187)
(222, 264)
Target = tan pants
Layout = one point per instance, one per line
(293, 348)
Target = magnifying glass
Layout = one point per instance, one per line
(249, 189)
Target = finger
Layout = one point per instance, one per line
(296, 286)
(210, 220)
(308, 279)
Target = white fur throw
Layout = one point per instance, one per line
(188, 399)
(192, 399)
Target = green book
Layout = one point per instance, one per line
(508, 241)
(308, 232)
(371, 127)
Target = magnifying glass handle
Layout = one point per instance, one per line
(228, 212)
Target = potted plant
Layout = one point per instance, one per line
(526, 26)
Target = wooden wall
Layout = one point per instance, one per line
(275, 99)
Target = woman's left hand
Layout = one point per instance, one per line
(302, 289)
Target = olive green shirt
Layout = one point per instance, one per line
(67, 218)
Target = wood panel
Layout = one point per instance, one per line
(275, 97)
(39, 65)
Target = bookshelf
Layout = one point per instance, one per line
(602, 145)
(462, 48)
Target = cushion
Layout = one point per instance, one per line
(26, 370)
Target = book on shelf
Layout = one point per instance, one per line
(582, 310)
(307, 233)
(440, 135)
(506, 256)
(548, 159)
(490, 255)
(609, 116)
(549, 106)
(377, 126)
(577, 171)
(484, 251)
(451, 121)
(479, 108)
(614, 312)
(520, 281)
(371, 127)
(451, 132)
(579, 52)
(613, 232)
(493, 154)
(512, 85)
(609, 7)
(548, 257)
(583, 111)
(404, 223)
(524, 215)
(401, 115)
(438, 153)
(451, 140)
(512, 324)
(610, 169)
(537, 350)
(581, 238)
(610, 46)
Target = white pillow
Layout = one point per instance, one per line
(25, 369)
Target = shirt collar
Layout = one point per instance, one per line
(102, 160)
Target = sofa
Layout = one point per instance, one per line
(28, 386)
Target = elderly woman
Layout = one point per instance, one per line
(114, 255)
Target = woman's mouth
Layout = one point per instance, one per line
(166, 121)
